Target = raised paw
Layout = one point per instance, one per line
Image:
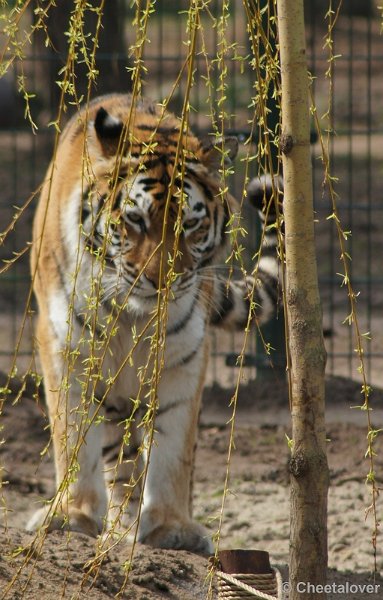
(261, 189)
(75, 520)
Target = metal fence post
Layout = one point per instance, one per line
(270, 366)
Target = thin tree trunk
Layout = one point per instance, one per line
(308, 464)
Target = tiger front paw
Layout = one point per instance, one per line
(74, 520)
(177, 535)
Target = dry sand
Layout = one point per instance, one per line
(256, 512)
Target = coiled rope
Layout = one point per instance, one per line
(241, 586)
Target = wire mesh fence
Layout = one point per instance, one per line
(355, 150)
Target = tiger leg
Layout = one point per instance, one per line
(80, 501)
(122, 467)
(166, 519)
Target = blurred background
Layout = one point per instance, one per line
(356, 149)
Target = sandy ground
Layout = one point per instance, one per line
(256, 513)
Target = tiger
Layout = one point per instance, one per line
(124, 172)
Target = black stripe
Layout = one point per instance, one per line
(117, 200)
(110, 447)
(183, 322)
(113, 414)
(159, 195)
(209, 248)
(206, 261)
(269, 249)
(199, 206)
(165, 179)
(269, 284)
(149, 181)
(215, 217)
(189, 357)
(100, 206)
(165, 409)
(115, 450)
(85, 207)
(151, 164)
(242, 324)
(205, 188)
(226, 302)
(117, 480)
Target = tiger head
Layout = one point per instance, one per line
(155, 208)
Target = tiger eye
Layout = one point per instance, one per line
(135, 217)
(191, 223)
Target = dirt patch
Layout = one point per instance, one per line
(256, 511)
(64, 564)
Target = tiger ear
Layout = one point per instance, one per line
(220, 153)
(108, 130)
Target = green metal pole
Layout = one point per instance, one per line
(271, 366)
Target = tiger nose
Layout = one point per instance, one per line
(158, 263)
(156, 275)
(159, 276)
(153, 271)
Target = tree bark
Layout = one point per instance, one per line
(307, 357)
